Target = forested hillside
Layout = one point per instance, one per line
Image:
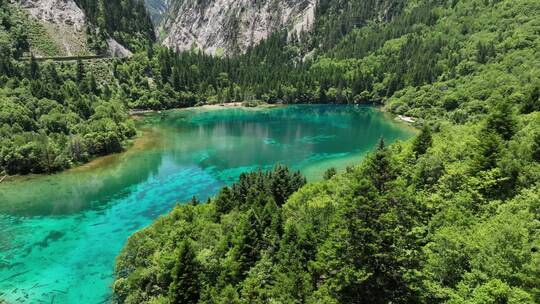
(126, 21)
(433, 60)
(450, 217)
(53, 115)
(428, 59)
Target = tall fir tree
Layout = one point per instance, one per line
(185, 288)
(423, 141)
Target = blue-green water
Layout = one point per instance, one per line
(60, 234)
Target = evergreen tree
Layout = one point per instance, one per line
(185, 288)
(246, 250)
(380, 168)
(423, 141)
(224, 201)
(194, 201)
(488, 151)
(502, 121)
(80, 71)
(328, 174)
(33, 69)
(283, 183)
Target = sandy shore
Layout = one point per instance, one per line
(221, 105)
(406, 118)
(138, 112)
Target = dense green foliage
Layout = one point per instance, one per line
(402, 227)
(240, 225)
(127, 21)
(430, 59)
(52, 115)
(450, 217)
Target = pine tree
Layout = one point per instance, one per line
(80, 73)
(194, 201)
(379, 167)
(423, 141)
(502, 121)
(281, 187)
(33, 68)
(185, 288)
(224, 201)
(488, 151)
(328, 174)
(247, 245)
(284, 183)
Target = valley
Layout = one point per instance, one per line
(61, 226)
(261, 151)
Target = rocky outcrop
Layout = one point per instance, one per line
(65, 23)
(115, 49)
(60, 12)
(231, 26)
(158, 9)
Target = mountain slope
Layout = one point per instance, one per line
(80, 27)
(53, 115)
(158, 9)
(226, 26)
(58, 28)
(452, 216)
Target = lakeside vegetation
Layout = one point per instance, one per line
(436, 61)
(53, 115)
(450, 217)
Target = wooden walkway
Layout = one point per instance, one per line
(70, 58)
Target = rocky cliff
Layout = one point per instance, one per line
(229, 26)
(158, 9)
(65, 25)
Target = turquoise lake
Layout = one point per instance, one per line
(60, 234)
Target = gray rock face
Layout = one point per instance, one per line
(157, 9)
(61, 12)
(65, 23)
(230, 26)
(115, 49)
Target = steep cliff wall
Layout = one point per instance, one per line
(230, 26)
(158, 9)
(62, 27)
(62, 22)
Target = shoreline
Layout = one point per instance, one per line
(138, 142)
(407, 119)
(402, 120)
(139, 112)
(134, 142)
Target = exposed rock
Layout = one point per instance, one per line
(117, 50)
(231, 26)
(60, 12)
(157, 9)
(65, 23)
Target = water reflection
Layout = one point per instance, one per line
(60, 233)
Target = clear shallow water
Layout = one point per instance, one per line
(60, 234)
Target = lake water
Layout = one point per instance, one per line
(60, 234)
